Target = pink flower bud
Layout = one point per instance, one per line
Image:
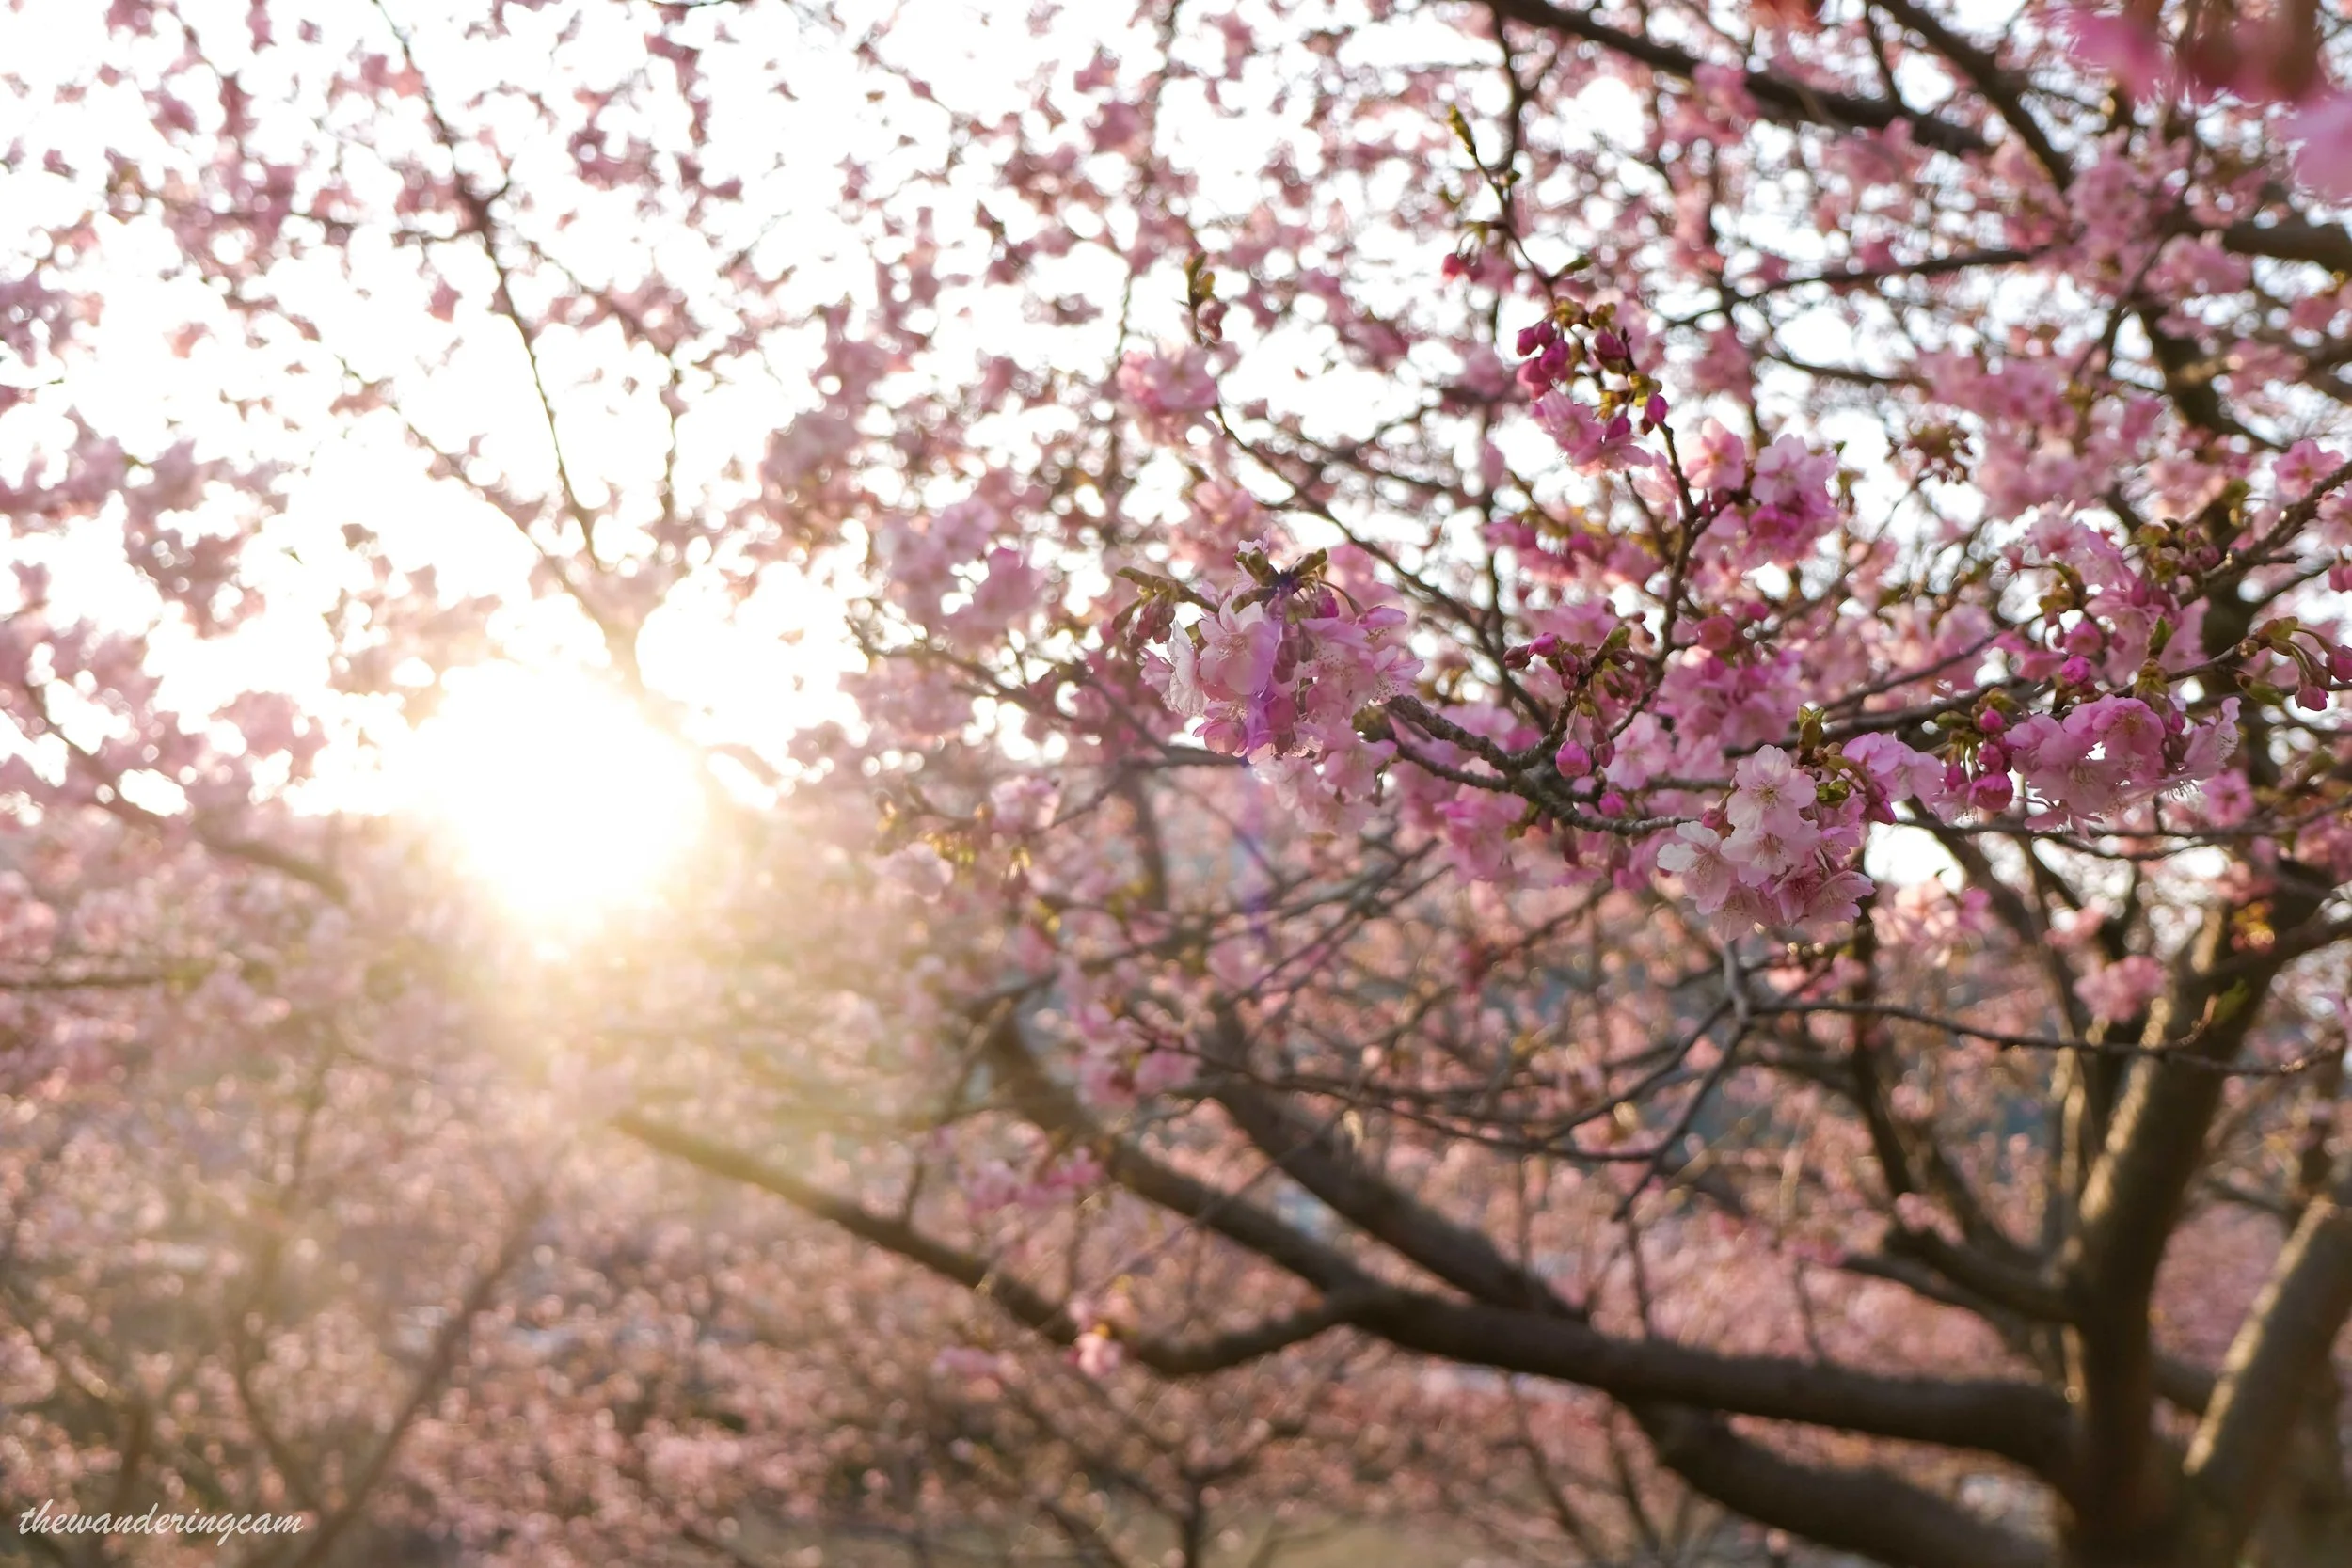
(1655, 410)
(1573, 760)
(1612, 802)
(1990, 720)
(2312, 698)
(1991, 792)
(1955, 776)
(1993, 757)
(2339, 663)
(2074, 672)
(1545, 646)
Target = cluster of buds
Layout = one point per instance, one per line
(2175, 552)
(1576, 340)
(1476, 262)
(1841, 776)
(2082, 643)
(1977, 759)
(1584, 749)
(1208, 311)
(1152, 615)
(2318, 665)
(1578, 669)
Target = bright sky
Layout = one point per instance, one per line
(529, 770)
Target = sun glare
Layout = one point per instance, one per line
(556, 794)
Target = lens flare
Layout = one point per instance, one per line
(554, 792)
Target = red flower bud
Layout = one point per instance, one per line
(1991, 792)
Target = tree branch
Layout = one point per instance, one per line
(1790, 102)
(1868, 1511)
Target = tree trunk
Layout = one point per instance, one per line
(2305, 1534)
(2308, 1523)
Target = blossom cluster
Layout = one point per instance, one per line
(1777, 853)
(1768, 511)
(1168, 389)
(2103, 755)
(2277, 56)
(996, 1185)
(1283, 669)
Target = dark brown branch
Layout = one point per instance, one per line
(1790, 102)
(1999, 87)
(2018, 1421)
(2281, 1351)
(1032, 1308)
(1868, 1511)
(1309, 1155)
(2292, 239)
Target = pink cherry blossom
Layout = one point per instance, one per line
(2324, 159)
(1590, 441)
(1769, 846)
(1770, 792)
(1696, 855)
(2121, 989)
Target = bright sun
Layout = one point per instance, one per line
(555, 793)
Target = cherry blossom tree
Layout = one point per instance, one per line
(1640, 704)
(362, 1295)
